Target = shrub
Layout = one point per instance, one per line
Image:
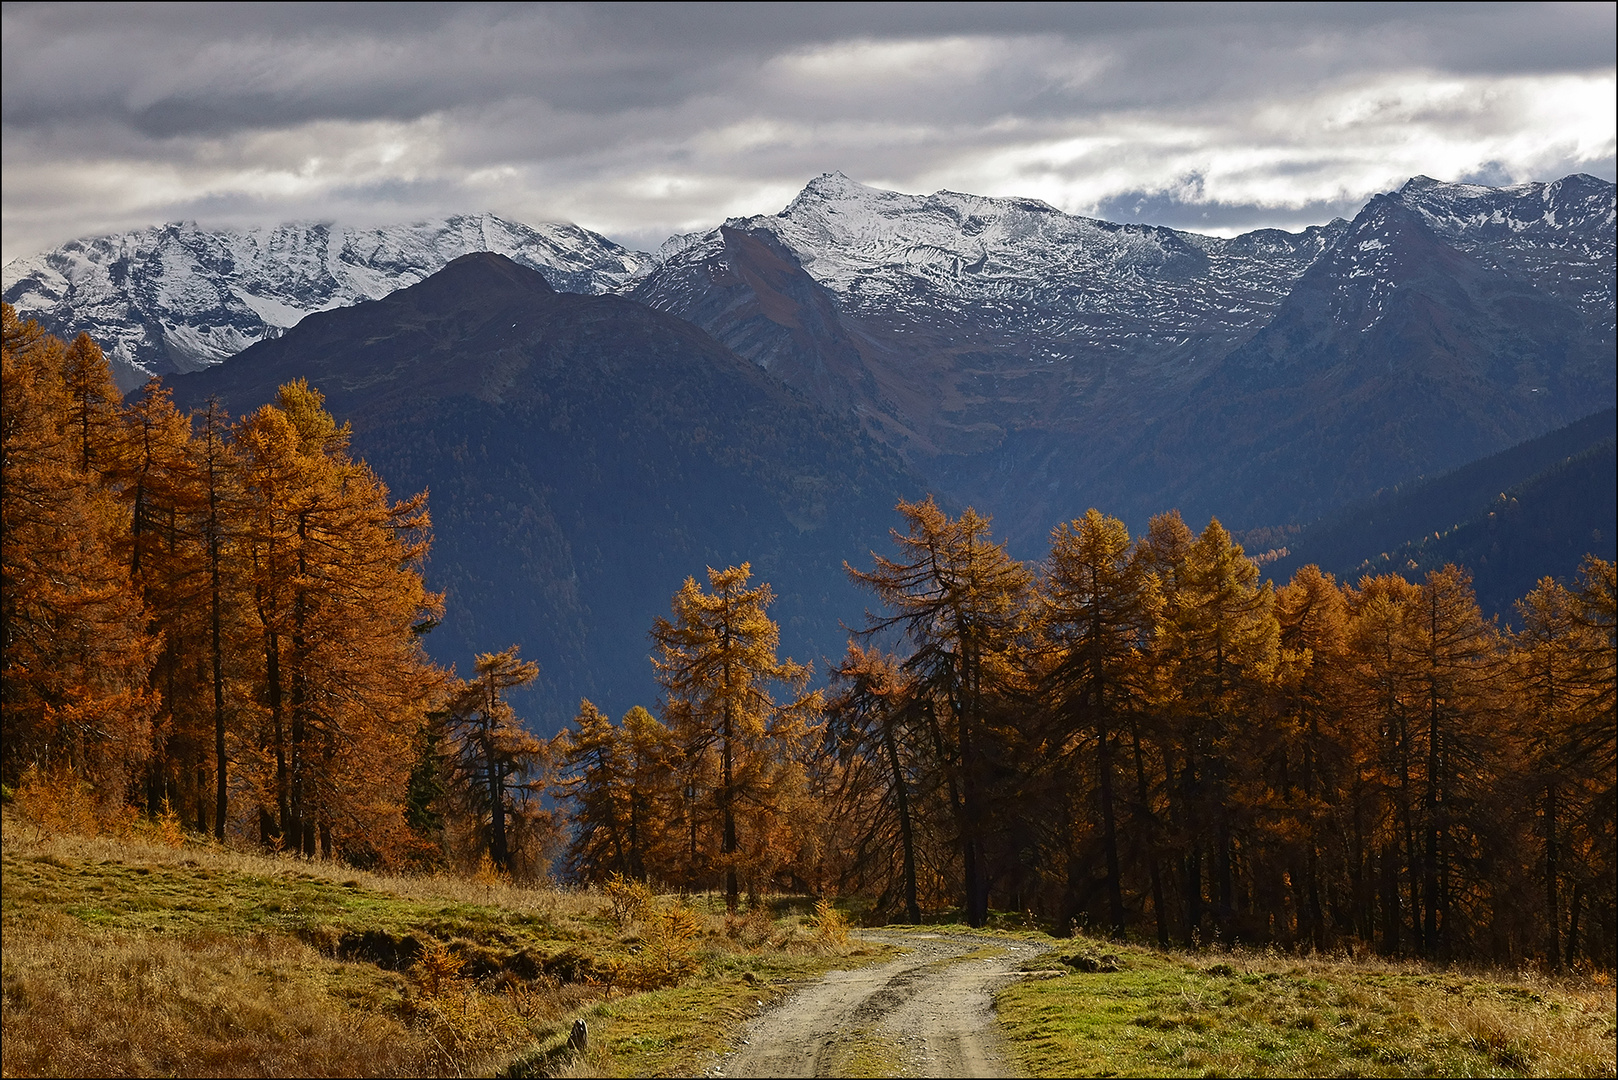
(831, 929)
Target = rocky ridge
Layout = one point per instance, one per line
(177, 297)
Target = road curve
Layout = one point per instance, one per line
(928, 1013)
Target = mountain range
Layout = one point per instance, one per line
(595, 423)
(178, 298)
(1022, 359)
(1030, 361)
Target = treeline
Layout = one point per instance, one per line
(221, 618)
(1137, 736)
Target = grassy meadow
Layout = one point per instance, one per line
(157, 952)
(1246, 1013)
(167, 955)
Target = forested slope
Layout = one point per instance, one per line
(1511, 518)
(584, 455)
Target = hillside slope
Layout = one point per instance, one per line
(1511, 518)
(585, 455)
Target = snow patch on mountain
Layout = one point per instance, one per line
(179, 298)
(1560, 234)
(1021, 265)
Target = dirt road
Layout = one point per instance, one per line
(928, 1013)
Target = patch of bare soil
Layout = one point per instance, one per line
(928, 1013)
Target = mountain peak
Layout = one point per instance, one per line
(830, 189)
(479, 273)
(835, 182)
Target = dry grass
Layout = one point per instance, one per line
(105, 1003)
(159, 952)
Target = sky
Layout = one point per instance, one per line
(639, 121)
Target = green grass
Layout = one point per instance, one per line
(188, 898)
(1255, 1014)
(124, 957)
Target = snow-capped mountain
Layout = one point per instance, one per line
(180, 298)
(1560, 234)
(1025, 360)
(1031, 361)
(1019, 265)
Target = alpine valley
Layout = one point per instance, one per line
(596, 423)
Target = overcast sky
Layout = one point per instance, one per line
(639, 121)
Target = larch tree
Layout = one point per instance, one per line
(869, 717)
(1314, 757)
(716, 661)
(340, 600)
(593, 777)
(494, 757)
(1215, 648)
(961, 600)
(648, 751)
(151, 472)
(1097, 601)
(1451, 658)
(76, 647)
(1384, 700)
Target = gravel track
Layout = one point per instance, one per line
(928, 1013)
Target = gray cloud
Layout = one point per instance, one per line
(639, 120)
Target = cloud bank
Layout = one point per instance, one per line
(643, 120)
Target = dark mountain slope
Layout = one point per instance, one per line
(1032, 364)
(1395, 355)
(1511, 518)
(754, 297)
(1543, 527)
(585, 454)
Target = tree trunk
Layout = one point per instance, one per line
(728, 847)
(1109, 833)
(497, 817)
(907, 841)
(1143, 792)
(216, 643)
(1553, 948)
(300, 820)
(1392, 919)
(976, 913)
(272, 676)
(1573, 923)
(1429, 869)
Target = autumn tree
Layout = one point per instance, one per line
(960, 600)
(594, 778)
(1097, 601)
(1564, 666)
(1450, 656)
(619, 782)
(870, 722)
(74, 633)
(339, 599)
(497, 764)
(716, 661)
(1214, 648)
(648, 751)
(1310, 771)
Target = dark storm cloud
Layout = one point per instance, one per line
(641, 119)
